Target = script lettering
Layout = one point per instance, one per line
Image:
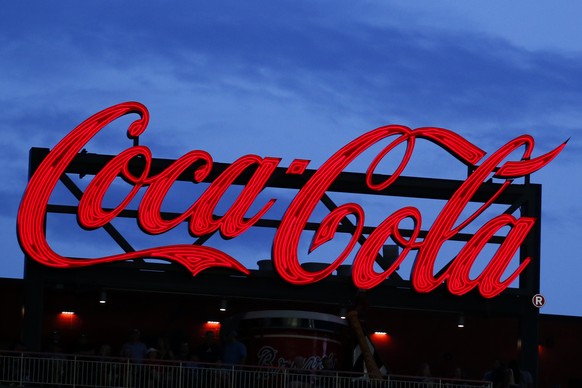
(202, 219)
(32, 211)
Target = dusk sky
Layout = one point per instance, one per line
(301, 79)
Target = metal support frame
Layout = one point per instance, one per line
(393, 293)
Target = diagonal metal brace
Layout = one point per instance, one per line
(109, 228)
(328, 202)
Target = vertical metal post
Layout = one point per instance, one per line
(74, 371)
(21, 374)
(33, 282)
(127, 371)
(530, 281)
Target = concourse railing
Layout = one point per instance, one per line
(62, 370)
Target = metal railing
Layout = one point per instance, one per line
(60, 370)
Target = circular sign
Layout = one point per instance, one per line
(538, 300)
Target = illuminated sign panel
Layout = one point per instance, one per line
(202, 221)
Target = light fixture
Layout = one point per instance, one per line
(461, 321)
(222, 305)
(103, 297)
(343, 313)
(380, 333)
(68, 312)
(213, 323)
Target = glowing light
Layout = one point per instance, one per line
(461, 321)
(68, 313)
(235, 221)
(380, 333)
(297, 167)
(34, 204)
(343, 313)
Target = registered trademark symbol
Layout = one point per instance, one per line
(538, 300)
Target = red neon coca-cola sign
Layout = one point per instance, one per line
(202, 221)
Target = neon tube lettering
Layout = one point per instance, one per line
(201, 219)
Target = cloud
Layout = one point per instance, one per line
(299, 80)
(384, 72)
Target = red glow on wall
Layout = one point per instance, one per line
(213, 326)
(236, 220)
(67, 319)
(381, 339)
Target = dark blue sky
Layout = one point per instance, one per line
(299, 80)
